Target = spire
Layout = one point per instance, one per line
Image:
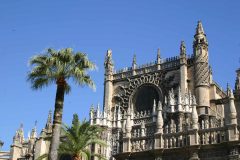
(134, 62)
(20, 133)
(34, 131)
(158, 54)
(228, 90)
(200, 36)
(48, 125)
(158, 59)
(108, 62)
(134, 59)
(183, 49)
(199, 29)
(108, 58)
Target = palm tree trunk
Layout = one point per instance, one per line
(76, 157)
(57, 120)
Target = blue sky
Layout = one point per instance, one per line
(29, 27)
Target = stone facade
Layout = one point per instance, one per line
(33, 146)
(169, 109)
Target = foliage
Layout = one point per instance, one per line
(78, 139)
(44, 156)
(48, 68)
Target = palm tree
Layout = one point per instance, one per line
(78, 139)
(59, 67)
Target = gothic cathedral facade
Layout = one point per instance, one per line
(170, 109)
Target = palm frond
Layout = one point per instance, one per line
(44, 156)
(47, 68)
(79, 136)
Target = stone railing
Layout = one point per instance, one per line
(142, 117)
(168, 63)
(212, 135)
(174, 140)
(142, 144)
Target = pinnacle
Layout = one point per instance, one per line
(182, 48)
(158, 53)
(134, 59)
(199, 29)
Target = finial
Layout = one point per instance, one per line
(108, 58)
(34, 131)
(109, 53)
(158, 54)
(35, 124)
(92, 107)
(228, 89)
(231, 94)
(210, 69)
(182, 48)
(21, 126)
(48, 125)
(199, 29)
(49, 120)
(134, 59)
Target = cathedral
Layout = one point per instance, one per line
(168, 109)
